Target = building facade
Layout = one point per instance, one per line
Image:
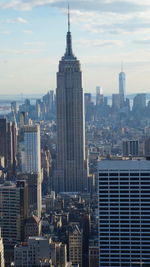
(93, 253)
(13, 212)
(8, 143)
(40, 251)
(30, 165)
(32, 227)
(75, 245)
(131, 148)
(1, 251)
(70, 123)
(124, 218)
(147, 148)
(30, 150)
(34, 181)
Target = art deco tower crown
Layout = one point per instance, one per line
(69, 53)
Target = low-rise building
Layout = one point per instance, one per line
(75, 245)
(40, 251)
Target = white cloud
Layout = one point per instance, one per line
(122, 6)
(39, 44)
(112, 23)
(5, 32)
(138, 2)
(116, 57)
(17, 20)
(144, 41)
(20, 52)
(28, 31)
(25, 5)
(98, 43)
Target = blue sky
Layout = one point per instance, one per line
(104, 33)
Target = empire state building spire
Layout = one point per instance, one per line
(70, 168)
(68, 53)
(68, 18)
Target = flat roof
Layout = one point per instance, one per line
(37, 238)
(124, 165)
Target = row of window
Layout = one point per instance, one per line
(124, 174)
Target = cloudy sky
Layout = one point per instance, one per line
(104, 33)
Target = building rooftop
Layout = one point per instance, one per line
(8, 184)
(124, 165)
(38, 238)
(33, 219)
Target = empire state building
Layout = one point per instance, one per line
(70, 174)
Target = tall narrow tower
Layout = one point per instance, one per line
(122, 84)
(70, 123)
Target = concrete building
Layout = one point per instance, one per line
(32, 227)
(23, 119)
(147, 148)
(2, 262)
(93, 253)
(39, 251)
(139, 102)
(75, 245)
(13, 210)
(14, 107)
(115, 101)
(34, 181)
(58, 254)
(32, 253)
(124, 218)
(130, 148)
(70, 174)
(49, 104)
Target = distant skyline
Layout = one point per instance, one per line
(104, 33)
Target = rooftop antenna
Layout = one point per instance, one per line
(121, 66)
(68, 18)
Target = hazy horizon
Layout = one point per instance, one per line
(104, 34)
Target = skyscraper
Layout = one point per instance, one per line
(124, 218)
(70, 123)
(30, 161)
(99, 95)
(13, 211)
(122, 85)
(8, 143)
(30, 152)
